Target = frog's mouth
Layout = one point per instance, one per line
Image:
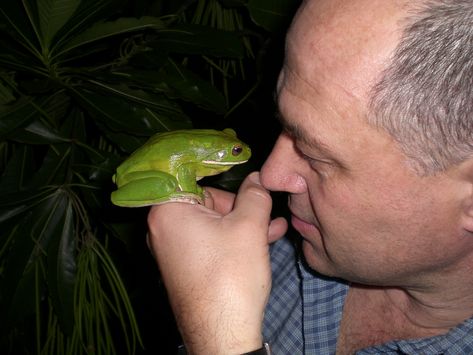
(212, 162)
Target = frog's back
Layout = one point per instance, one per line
(162, 149)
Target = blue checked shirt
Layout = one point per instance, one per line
(305, 309)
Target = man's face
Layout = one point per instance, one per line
(362, 211)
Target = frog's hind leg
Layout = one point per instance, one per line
(145, 188)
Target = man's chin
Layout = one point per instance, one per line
(317, 260)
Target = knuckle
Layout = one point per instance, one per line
(152, 217)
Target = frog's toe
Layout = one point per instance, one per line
(186, 198)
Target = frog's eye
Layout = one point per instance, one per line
(236, 150)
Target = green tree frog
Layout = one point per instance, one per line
(167, 167)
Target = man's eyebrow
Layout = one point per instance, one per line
(296, 132)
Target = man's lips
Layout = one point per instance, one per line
(303, 227)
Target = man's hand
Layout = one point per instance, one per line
(215, 264)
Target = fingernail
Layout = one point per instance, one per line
(254, 177)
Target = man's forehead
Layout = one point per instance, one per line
(346, 43)
(346, 24)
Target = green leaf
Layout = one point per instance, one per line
(6, 95)
(128, 116)
(23, 301)
(190, 87)
(273, 15)
(16, 194)
(118, 114)
(126, 142)
(22, 201)
(233, 3)
(53, 14)
(21, 61)
(176, 81)
(14, 15)
(38, 132)
(104, 30)
(19, 169)
(8, 214)
(102, 171)
(201, 40)
(31, 240)
(88, 13)
(62, 269)
(54, 167)
(146, 98)
(16, 116)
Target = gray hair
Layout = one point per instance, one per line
(425, 96)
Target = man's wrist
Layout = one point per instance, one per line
(264, 350)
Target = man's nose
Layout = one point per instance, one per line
(281, 172)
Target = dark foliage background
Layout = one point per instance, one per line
(82, 84)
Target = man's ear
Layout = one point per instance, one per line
(466, 174)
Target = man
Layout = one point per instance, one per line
(376, 102)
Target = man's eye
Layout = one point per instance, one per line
(311, 159)
(320, 166)
(314, 161)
